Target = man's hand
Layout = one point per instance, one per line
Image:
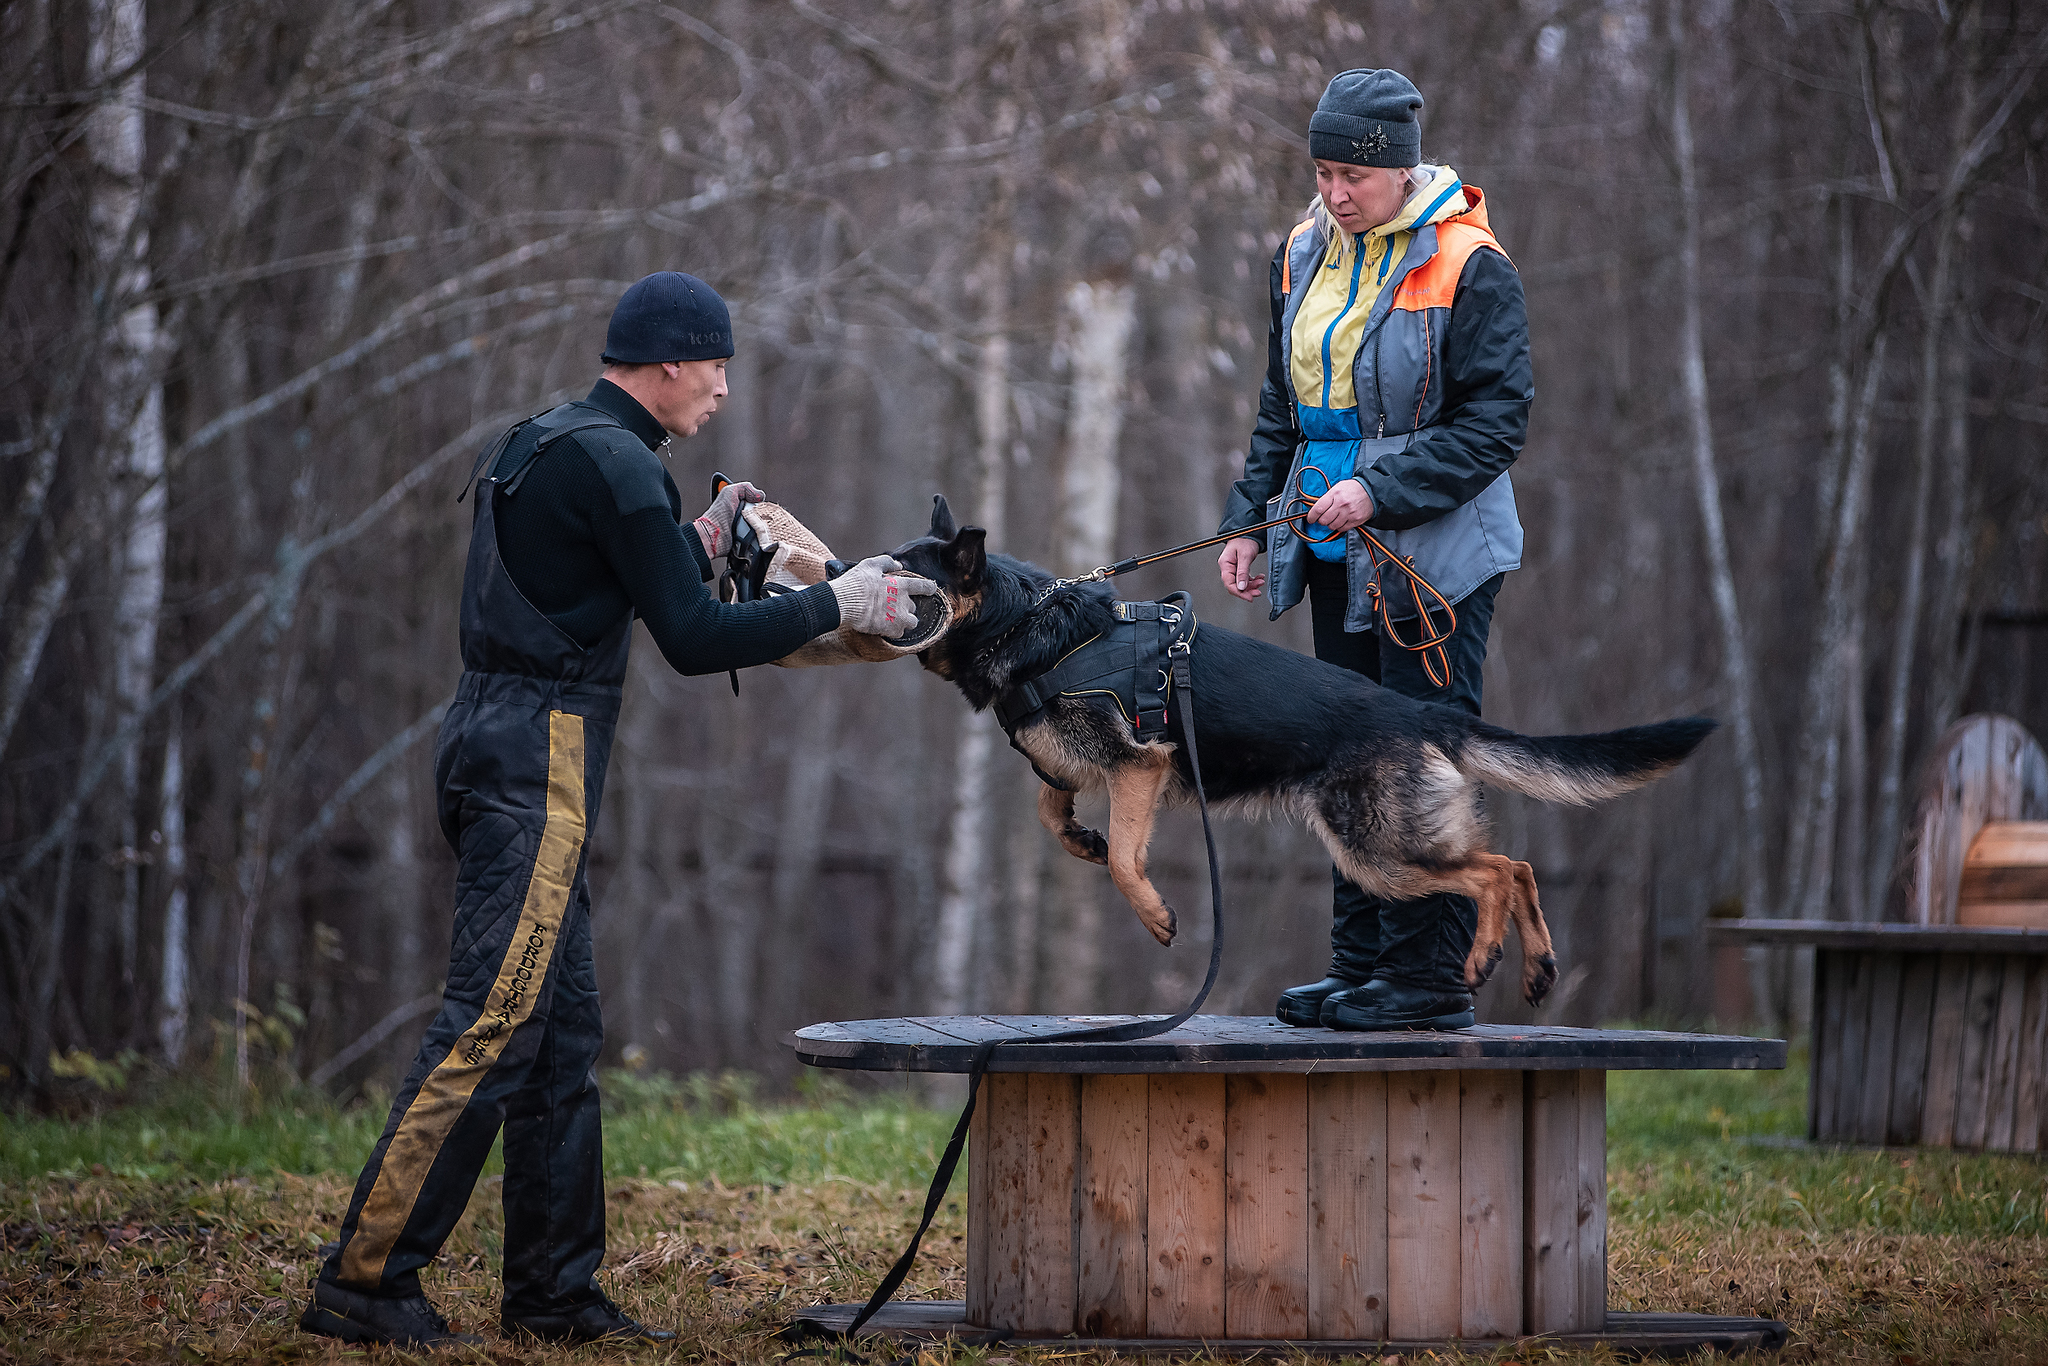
(1235, 564)
(875, 600)
(714, 528)
(1346, 507)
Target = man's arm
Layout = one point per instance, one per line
(661, 565)
(1488, 388)
(1274, 435)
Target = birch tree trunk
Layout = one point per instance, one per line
(174, 991)
(968, 890)
(132, 420)
(1099, 319)
(1736, 678)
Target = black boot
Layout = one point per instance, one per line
(1419, 979)
(1386, 1004)
(1302, 1006)
(1354, 945)
(339, 1313)
(597, 1320)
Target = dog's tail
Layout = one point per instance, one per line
(1580, 769)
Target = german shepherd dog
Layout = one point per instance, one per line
(1388, 784)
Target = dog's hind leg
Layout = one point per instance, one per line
(1134, 790)
(1539, 959)
(1493, 892)
(1056, 813)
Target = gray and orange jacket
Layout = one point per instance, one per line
(1442, 388)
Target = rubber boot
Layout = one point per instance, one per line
(1354, 945)
(1418, 981)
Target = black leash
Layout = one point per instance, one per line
(1181, 653)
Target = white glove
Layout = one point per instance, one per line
(875, 600)
(714, 528)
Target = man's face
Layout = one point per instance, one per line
(687, 394)
(1360, 197)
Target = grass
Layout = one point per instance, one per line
(170, 1231)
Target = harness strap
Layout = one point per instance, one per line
(509, 481)
(1125, 665)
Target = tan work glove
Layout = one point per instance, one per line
(875, 599)
(714, 527)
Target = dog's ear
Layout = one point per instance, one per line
(965, 559)
(943, 526)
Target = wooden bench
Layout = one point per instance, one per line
(1241, 1183)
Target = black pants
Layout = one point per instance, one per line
(1418, 943)
(519, 1031)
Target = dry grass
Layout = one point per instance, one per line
(1898, 1258)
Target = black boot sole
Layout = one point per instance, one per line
(324, 1322)
(1358, 1024)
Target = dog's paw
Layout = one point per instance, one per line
(1538, 977)
(1085, 844)
(1166, 935)
(1478, 969)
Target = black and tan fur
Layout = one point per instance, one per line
(1390, 785)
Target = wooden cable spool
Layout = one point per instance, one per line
(1977, 852)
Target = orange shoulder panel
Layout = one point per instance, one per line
(1287, 256)
(1434, 284)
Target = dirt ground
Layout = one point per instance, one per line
(103, 1270)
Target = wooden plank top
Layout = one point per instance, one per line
(1839, 934)
(1247, 1043)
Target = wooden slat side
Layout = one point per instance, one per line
(978, 1158)
(1880, 1048)
(1422, 1204)
(1550, 1201)
(1592, 1212)
(1851, 1078)
(1009, 1190)
(1110, 1247)
(1490, 1203)
(1909, 1062)
(1265, 1219)
(1055, 1119)
(2002, 1081)
(1347, 1213)
(2030, 1104)
(1973, 1076)
(1945, 1049)
(1830, 984)
(1184, 1207)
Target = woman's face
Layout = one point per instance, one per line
(1360, 197)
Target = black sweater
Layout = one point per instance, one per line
(595, 530)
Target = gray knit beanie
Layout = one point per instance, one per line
(1368, 119)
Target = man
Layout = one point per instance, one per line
(577, 528)
(1397, 393)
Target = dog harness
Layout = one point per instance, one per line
(1123, 669)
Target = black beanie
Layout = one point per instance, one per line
(1368, 119)
(668, 316)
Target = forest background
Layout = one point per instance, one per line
(271, 275)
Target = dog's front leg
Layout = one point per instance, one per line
(1056, 813)
(1134, 790)
(1539, 960)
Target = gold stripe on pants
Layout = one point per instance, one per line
(445, 1093)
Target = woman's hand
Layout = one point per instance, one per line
(1235, 565)
(1346, 507)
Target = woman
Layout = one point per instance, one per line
(1398, 368)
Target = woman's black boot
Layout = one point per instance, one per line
(1419, 980)
(1354, 944)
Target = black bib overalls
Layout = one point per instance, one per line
(520, 765)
